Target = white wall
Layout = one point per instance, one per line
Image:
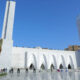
(38, 56)
(15, 56)
(6, 54)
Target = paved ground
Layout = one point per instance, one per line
(42, 76)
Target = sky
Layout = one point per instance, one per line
(45, 23)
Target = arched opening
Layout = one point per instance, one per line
(55, 62)
(52, 67)
(61, 66)
(63, 61)
(45, 61)
(69, 66)
(35, 61)
(42, 66)
(25, 62)
(31, 66)
(71, 62)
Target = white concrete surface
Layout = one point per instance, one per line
(38, 56)
(6, 53)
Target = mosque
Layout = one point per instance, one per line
(38, 58)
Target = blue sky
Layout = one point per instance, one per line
(45, 23)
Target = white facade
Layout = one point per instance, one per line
(24, 57)
(18, 57)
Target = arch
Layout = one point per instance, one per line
(31, 66)
(52, 67)
(69, 66)
(63, 61)
(42, 66)
(71, 62)
(45, 61)
(35, 61)
(61, 66)
(31, 60)
(25, 60)
(55, 62)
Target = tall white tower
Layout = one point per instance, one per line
(6, 41)
(8, 20)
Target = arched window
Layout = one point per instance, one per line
(42, 66)
(55, 62)
(69, 66)
(71, 62)
(61, 66)
(52, 67)
(31, 66)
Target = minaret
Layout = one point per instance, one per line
(8, 20)
(6, 41)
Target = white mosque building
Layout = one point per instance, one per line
(39, 58)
